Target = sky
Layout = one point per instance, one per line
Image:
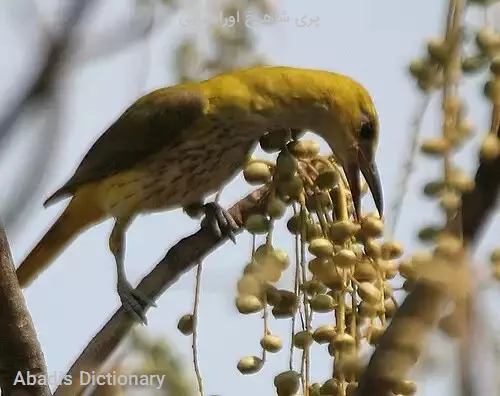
(371, 41)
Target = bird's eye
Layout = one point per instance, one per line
(367, 131)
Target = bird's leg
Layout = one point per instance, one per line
(216, 216)
(133, 300)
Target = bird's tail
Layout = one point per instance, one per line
(78, 215)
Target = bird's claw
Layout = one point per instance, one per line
(134, 301)
(220, 220)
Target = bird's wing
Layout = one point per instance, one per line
(152, 123)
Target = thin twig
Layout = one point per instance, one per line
(306, 353)
(451, 73)
(199, 379)
(408, 166)
(296, 291)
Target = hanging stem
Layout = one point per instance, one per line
(195, 329)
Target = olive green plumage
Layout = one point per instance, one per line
(176, 145)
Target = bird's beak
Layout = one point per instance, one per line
(360, 158)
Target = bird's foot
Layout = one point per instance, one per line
(220, 220)
(134, 301)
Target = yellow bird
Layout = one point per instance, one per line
(177, 145)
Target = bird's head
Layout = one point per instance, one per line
(355, 139)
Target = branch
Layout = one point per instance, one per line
(479, 203)
(20, 350)
(398, 348)
(179, 259)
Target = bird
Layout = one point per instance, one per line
(176, 145)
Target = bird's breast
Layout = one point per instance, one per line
(198, 164)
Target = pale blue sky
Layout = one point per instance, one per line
(371, 41)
